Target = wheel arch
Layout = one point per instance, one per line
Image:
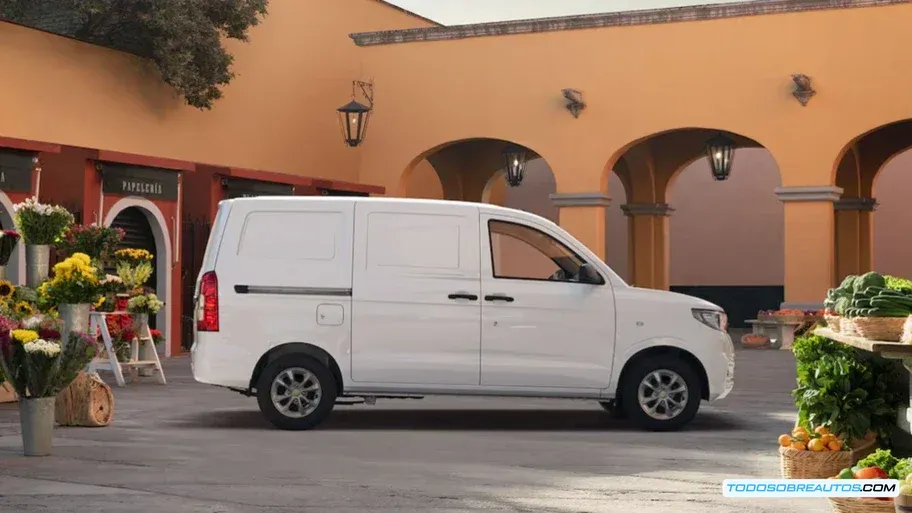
(317, 353)
(661, 350)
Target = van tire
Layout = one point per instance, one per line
(319, 372)
(643, 368)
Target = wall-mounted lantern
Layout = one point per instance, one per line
(575, 103)
(354, 115)
(720, 150)
(803, 90)
(514, 157)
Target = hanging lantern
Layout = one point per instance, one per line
(353, 118)
(514, 163)
(721, 152)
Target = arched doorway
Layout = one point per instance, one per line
(690, 232)
(871, 214)
(145, 228)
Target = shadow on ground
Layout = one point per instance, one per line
(456, 420)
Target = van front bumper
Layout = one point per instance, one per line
(722, 383)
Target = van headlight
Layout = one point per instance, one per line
(715, 319)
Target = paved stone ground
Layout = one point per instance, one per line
(188, 448)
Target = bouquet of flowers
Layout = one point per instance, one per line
(8, 241)
(134, 267)
(99, 242)
(37, 367)
(144, 304)
(41, 224)
(75, 281)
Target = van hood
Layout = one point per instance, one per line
(667, 297)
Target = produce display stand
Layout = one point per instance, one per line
(781, 332)
(98, 325)
(890, 351)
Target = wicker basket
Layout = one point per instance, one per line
(856, 505)
(847, 327)
(832, 322)
(907, 331)
(789, 318)
(886, 329)
(795, 464)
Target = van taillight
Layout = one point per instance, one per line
(209, 316)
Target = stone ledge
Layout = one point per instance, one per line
(581, 199)
(615, 19)
(856, 204)
(647, 209)
(808, 193)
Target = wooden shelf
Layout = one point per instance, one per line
(885, 349)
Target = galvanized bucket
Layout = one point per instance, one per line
(36, 416)
(37, 262)
(75, 318)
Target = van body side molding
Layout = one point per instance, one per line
(292, 291)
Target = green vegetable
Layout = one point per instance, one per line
(900, 284)
(846, 474)
(902, 469)
(848, 283)
(880, 458)
(842, 304)
(869, 279)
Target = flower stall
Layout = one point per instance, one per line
(141, 196)
(854, 380)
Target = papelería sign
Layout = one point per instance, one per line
(148, 182)
(16, 170)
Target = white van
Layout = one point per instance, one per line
(305, 300)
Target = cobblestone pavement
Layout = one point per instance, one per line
(189, 448)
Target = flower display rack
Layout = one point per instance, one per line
(109, 362)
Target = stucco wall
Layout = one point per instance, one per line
(278, 114)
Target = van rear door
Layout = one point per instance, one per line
(416, 306)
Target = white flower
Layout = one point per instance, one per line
(33, 322)
(110, 278)
(49, 349)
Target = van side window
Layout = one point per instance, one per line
(520, 252)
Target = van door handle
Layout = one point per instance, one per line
(499, 297)
(463, 295)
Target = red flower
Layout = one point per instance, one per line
(47, 334)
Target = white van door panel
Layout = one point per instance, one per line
(538, 331)
(416, 315)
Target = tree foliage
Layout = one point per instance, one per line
(182, 37)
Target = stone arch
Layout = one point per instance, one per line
(15, 268)
(164, 257)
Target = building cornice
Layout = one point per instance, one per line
(856, 204)
(809, 193)
(615, 19)
(580, 199)
(647, 209)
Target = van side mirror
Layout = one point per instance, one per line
(587, 274)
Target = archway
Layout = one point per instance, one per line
(688, 232)
(871, 170)
(131, 211)
(15, 268)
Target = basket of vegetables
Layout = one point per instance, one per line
(873, 306)
(879, 465)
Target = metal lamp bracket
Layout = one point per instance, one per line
(803, 90)
(575, 103)
(367, 90)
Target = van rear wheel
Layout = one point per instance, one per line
(661, 393)
(296, 392)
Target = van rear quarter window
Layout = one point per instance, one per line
(290, 235)
(413, 240)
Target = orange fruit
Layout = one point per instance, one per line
(827, 438)
(821, 430)
(798, 446)
(835, 445)
(785, 440)
(816, 445)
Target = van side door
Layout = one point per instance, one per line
(541, 327)
(416, 312)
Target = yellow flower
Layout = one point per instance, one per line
(100, 302)
(23, 309)
(6, 289)
(82, 257)
(24, 336)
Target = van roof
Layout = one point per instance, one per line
(344, 199)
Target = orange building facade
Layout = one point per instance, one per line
(656, 86)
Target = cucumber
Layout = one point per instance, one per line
(890, 304)
(883, 312)
(862, 303)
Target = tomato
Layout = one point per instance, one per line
(871, 473)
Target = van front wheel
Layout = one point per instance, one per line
(661, 393)
(296, 392)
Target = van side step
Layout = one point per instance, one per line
(372, 399)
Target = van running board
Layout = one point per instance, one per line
(372, 399)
